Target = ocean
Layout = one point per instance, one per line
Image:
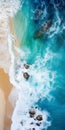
(39, 72)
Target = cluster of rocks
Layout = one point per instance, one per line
(38, 12)
(37, 118)
(43, 29)
(25, 74)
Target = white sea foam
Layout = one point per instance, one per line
(29, 92)
(24, 121)
(10, 6)
(55, 28)
(37, 87)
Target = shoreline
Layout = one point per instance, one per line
(6, 107)
(5, 85)
(6, 88)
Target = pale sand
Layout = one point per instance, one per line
(5, 107)
(5, 86)
(5, 61)
(2, 109)
(15, 40)
(6, 24)
(4, 53)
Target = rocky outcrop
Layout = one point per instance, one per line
(26, 66)
(32, 113)
(37, 14)
(26, 75)
(39, 118)
(43, 29)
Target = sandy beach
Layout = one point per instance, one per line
(5, 105)
(15, 40)
(2, 109)
(6, 87)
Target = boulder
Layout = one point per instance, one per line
(21, 123)
(32, 113)
(39, 118)
(38, 124)
(26, 75)
(31, 123)
(26, 66)
(43, 29)
(38, 34)
(38, 13)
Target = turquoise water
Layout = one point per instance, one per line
(46, 56)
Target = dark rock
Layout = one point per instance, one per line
(43, 29)
(38, 34)
(37, 13)
(39, 117)
(36, 107)
(32, 113)
(35, 119)
(21, 123)
(26, 66)
(38, 124)
(31, 123)
(33, 128)
(26, 75)
(46, 26)
(31, 116)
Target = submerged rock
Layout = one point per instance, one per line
(38, 34)
(39, 118)
(26, 75)
(44, 28)
(26, 66)
(32, 113)
(37, 13)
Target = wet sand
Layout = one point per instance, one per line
(6, 87)
(15, 40)
(5, 106)
(2, 109)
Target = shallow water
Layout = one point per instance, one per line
(42, 46)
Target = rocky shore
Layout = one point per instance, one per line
(35, 119)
